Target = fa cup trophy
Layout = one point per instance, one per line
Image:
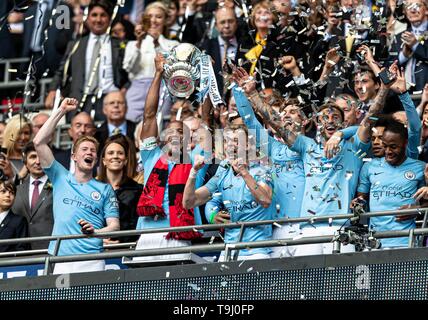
(187, 71)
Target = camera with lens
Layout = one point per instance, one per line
(360, 236)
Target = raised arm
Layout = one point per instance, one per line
(272, 117)
(269, 115)
(331, 59)
(247, 85)
(191, 197)
(364, 130)
(413, 121)
(261, 192)
(41, 140)
(150, 127)
(366, 52)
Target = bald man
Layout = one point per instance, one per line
(225, 45)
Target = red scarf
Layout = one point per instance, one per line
(150, 202)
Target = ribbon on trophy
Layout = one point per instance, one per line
(214, 93)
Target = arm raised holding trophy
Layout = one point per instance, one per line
(150, 128)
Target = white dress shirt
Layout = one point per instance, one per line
(231, 50)
(139, 63)
(105, 70)
(41, 185)
(3, 216)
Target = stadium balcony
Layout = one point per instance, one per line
(367, 274)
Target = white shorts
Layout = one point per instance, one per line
(156, 241)
(287, 231)
(320, 248)
(79, 266)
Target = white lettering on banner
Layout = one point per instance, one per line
(204, 82)
(214, 93)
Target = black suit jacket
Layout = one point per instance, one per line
(102, 133)
(6, 49)
(421, 56)
(13, 227)
(56, 43)
(40, 219)
(74, 74)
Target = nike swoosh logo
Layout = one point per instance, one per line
(229, 187)
(376, 173)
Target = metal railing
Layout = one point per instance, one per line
(239, 245)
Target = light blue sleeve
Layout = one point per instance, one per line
(301, 144)
(265, 176)
(364, 183)
(148, 158)
(349, 132)
(214, 183)
(213, 205)
(245, 110)
(202, 172)
(414, 128)
(359, 145)
(55, 171)
(111, 205)
(247, 114)
(199, 179)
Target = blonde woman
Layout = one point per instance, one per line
(140, 55)
(16, 135)
(263, 19)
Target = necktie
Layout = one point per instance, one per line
(116, 131)
(95, 52)
(36, 193)
(226, 47)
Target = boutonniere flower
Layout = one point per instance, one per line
(122, 45)
(48, 186)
